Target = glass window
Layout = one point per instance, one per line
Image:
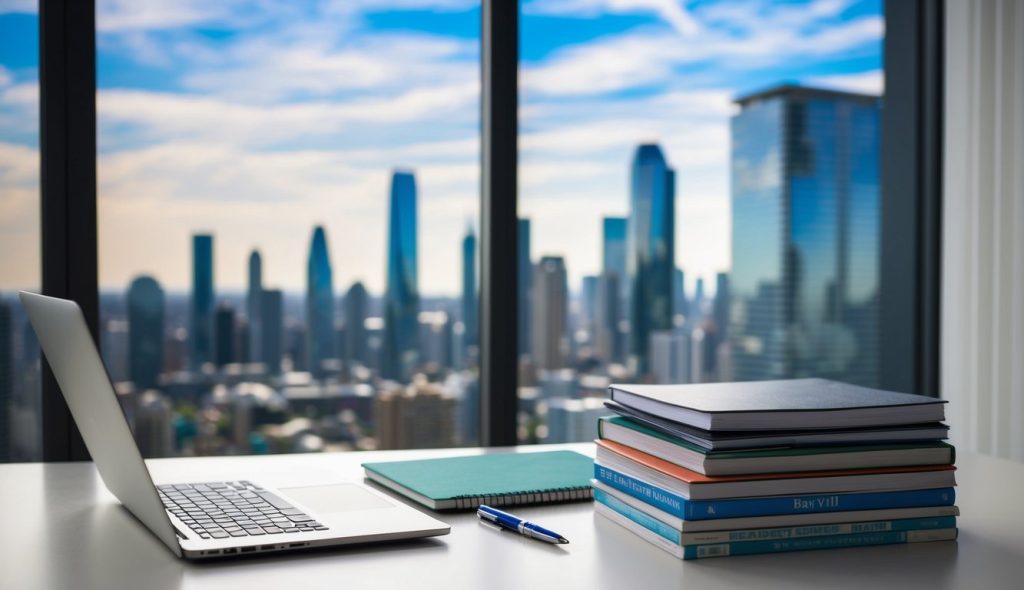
(718, 161)
(287, 237)
(20, 419)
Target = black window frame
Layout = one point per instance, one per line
(911, 209)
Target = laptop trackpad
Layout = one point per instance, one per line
(336, 498)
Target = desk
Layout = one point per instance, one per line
(62, 529)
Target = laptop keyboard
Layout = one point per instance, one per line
(219, 510)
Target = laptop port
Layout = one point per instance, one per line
(266, 548)
(230, 551)
(248, 549)
(211, 552)
(297, 545)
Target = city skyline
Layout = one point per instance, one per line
(313, 144)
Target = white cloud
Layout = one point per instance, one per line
(19, 216)
(872, 82)
(671, 11)
(148, 15)
(5, 76)
(19, 6)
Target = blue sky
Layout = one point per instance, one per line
(258, 119)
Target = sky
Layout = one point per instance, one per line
(258, 119)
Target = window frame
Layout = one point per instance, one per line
(912, 166)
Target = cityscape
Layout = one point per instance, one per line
(339, 368)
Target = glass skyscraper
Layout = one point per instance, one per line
(202, 299)
(650, 250)
(550, 313)
(145, 332)
(320, 340)
(525, 280)
(357, 302)
(470, 311)
(805, 214)
(254, 299)
(401, 299)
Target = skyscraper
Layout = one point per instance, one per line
(145, 332)
(225, 350)
(721, 308)
(401, 299)
(356, 311)
(525, 280)
(697, 309)
(805, 214)
(272, 321)
(550, 313)
(613, 251)
(679, 304)
(650, 250)
(470, 309)
(320, 339)
(252, 307)
(202, 299)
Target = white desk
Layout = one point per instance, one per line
(62, 529)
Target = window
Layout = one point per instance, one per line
(20, 415)
(719, 163)
(287, 207)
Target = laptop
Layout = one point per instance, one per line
(206, 519)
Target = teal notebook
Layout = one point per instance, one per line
(496, 480)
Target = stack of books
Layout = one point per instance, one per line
(712, 470)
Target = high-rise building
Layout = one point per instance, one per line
(613, 252)
(356, 306)
(697, 309)
(720, 312)
(419, 416)
(202, 299)
(401, 299)
(272, 322)
(588, 300)
(225, 335)
(550, 313)
(806, 229)
(670, 356)
(320, 339)
(525, 280)
(153, 425)
(254, 299)
(679, 304)
(145, 332)
(650, 250)
(470, 308)
(6, 380)
(608, 338)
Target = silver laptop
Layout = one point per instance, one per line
(205, 519)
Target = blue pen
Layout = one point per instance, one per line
(516, 524)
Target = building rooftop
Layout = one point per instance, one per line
(797, 91)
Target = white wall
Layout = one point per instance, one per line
(983, 226)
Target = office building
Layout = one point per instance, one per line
(697, 309)
(650, 250)
(145, 332)
(720, 311)
(612, 338)
(805, 214)
(679, 303)
(254, 298)
(573, 420)
(550, 307)
(401, 299)
(419, 416)
(225, 335)
(6, 381)
(670, 356)
(153, 425)
(470, 306)
(436, 338)
(272, 323)
(202, 300)
(525, 280)
(613, 253)
(320, 341)
(356, 308)
(588, 304)
(609, 340)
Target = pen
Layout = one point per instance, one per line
(516, 524)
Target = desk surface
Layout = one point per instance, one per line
(62, 529)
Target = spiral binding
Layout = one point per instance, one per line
(521, 498)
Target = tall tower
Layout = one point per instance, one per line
(650, 250)
(357, 309)
(470, 309)
(320, 341)
(806, 232)
(550, 313)
(402, 299)
(225, 335)
(272, 321)
(253, 302)
(202, 299)
(525, 279)
(145, 332)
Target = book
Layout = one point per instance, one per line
(726, 439)
(689, 552)
(775, 520)
(687, 509)
(496, 479)
(793, 404)
(653, 523)
(695, 486)
(775, 460)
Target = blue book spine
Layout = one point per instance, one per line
(771, 534)
(808, 543)
(679, 506)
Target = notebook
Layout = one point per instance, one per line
(794, 404)
(502, 479)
